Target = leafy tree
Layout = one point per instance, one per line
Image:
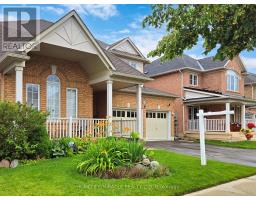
(228, 28)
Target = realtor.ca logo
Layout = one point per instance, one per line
(19, 28)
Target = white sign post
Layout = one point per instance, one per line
(202, 130)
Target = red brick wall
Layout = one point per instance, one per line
(172, 83)
(214, 80)
(128, 101)
(71, 75)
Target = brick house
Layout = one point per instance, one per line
(82, 81)
(250, 92)
(206, 84)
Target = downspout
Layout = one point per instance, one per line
(183, 107)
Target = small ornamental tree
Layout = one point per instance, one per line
(23, 133)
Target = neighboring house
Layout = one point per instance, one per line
(250, 92)
(76, 77)
(205, 84)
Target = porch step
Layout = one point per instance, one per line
(232, 136)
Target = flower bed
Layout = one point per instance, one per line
(119, 158)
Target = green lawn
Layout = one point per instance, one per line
(59, 177)
(241, 144)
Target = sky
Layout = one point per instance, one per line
(110, 23)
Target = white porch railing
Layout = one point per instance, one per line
(214, 125)
(76, 127)
(88, 127)
(123, 127)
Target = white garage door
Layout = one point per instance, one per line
(157, 125)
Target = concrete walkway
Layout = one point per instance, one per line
(241, 187)
(225, 154)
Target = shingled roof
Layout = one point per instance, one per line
(209, 63)
(43, 25)
(118, 63)
(250, 78)
(157, 67)
(184, 62)
(149, 91)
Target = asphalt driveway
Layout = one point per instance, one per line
(225, 154)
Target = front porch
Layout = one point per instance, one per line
(226, 127)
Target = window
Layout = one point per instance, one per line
(124, 113)
(32, 95)
(53, 96)
(158, 115)
(192, 111)
(232, 81)
(193, 79)
(72, 102)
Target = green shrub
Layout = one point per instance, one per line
(23, 133)
(107, 154)
(68, 146)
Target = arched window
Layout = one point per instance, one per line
(53, 96)
(232, 81)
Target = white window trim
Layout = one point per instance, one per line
(27, 84)
(193, 107)
(236, 76)
(125, 110)
(67, 100)
(193, 74)
(59, 114)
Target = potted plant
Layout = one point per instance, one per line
(247, 132)
(235, 127)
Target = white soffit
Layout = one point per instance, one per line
(192, 94)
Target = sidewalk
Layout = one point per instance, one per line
(241, 187)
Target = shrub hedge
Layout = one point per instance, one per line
(23, 133)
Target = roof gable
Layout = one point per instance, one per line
(69, 34)
(126, 45)
(82, 37)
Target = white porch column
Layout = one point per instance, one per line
(19, 84)
(139, 110)
(227, 118)
(109, 106)
(243, 116)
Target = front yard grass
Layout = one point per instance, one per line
(240, 144)
(59, 177)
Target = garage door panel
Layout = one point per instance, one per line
(156, 128)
